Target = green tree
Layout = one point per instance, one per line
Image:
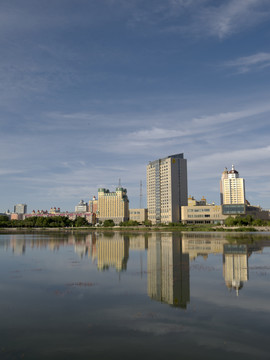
(108, 223)
(230, 221)
(147, 223)
(80, 221)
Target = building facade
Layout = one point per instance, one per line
(139, 215)
(232, 187)
(199, 212)
(166, 188)
(81, 207)
(113, 205)
(20, 209)
(93, 205)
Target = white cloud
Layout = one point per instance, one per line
(204, 17)
(248, 63)
(233, 16)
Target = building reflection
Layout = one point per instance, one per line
(235, 266)
(235, 256)
(112, 252)
(168, 270)
(169, 256)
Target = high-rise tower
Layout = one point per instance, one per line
(232, 187)
(166, 188)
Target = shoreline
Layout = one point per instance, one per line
(217, 229)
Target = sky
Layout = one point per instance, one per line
(92, 90)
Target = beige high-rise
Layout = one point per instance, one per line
(166, 188)
(113, 205)
(232, 188)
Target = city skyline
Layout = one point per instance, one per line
(83, 82)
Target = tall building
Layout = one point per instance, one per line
(93, 205)
(113, 205)
(166, 188)
(20, 209)
(232, 188)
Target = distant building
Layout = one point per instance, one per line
(166, 188)
(113, 205)
(15, 216)
(20, 209)
(90, 217)
(232, 187)
(93, 205)
(139, 215)
(54, 210)
(81, 207)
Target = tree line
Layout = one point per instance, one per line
(40, 222)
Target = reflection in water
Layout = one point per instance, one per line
(168, 270)
(168, 256)
(113, 252)
(235, 266)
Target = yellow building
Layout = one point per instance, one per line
(112, 252)
(166, 188)
(113, 205)
(232, 187)
(199, 212)
(139, 215)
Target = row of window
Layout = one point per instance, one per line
(198, 216)
(198, 210)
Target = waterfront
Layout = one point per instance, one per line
(105, 295)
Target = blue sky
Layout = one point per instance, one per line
(92, 90)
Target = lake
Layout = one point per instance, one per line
(106, 295)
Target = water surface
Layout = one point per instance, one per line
(106, 295)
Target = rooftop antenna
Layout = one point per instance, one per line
(141, 196)
(119, 183)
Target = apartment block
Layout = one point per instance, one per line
(166, 188)
(113, 205)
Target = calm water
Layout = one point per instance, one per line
(106, 295)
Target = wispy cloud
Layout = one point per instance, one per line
(246, 64)
(232, 16)
(204, 17)
(195, 126)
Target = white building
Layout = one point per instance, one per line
(232, 188)
(81, 207)
(20, 209)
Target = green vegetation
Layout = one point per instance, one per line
(245, 221)
(108, 223)
(129, 223)
(238, 224)
(43, 222)
(147, 223)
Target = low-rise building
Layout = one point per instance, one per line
(199, 212)
(139, 215)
